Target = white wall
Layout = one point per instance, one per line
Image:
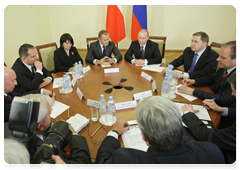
(38, 25)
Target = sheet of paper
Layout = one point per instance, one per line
(141, 95)
(105, 65)
(57, 82)
(58, 108)
(146, 76)
(111, 70)
(153, 67)
(186, 96)
(133, 139)
(154, 86)
(126, 105)
(202, 114)
(93, 103)
(86, 69)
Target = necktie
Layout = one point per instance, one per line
(193, 63)
(225, 74)
(9, 97)
(33, 70)
(104, 51)
(142, 52)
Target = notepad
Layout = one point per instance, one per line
(78, 122)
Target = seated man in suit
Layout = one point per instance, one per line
(217, 81)
(100, 51)
(198, 60)
(225, 138)
(161, 128)
(31, 74)
(78, 144)
(144, 50)
(9, 83)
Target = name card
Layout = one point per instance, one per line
(126, 105)
(111, 70)
(86, 69)
(73, 81)
(146, 76)
(79, 93)
(154, 86)
(142, 95)
(93, 103)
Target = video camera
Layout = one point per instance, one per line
(23, 124)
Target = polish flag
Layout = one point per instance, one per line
(139, 20)
(115, 23)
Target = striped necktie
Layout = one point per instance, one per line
(225, 74)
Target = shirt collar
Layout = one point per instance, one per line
(200, 53)
(143, 45)
(28, 66)
(230, 70)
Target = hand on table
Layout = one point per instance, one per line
(71, 69)
(104, 59)
(57, 159)
(121, 126)
(177, 74)
(186, 90)
(212, 105)
(45, 82)
(188, 82)
(189, 107)
(139, 62)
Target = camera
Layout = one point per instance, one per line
(23, 123)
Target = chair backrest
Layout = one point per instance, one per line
(161, 43)
(215, 46)
(91, 40)
(46, 54)
(5, 64)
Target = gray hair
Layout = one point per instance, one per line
(43, 110)
(204, 36)
(15, 152)
(160, 121)
(232, 45)
(144, 30)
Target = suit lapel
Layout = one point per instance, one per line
(201, 59)
(147, 49)
(99, 50)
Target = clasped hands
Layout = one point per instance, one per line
(105, 59)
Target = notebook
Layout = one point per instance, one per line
(78, 122)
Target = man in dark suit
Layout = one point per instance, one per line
(217, 81)
(100, 51)
(225, 138)
(161, 129)
(199, 60)
(31, 74)
(144, 50)
(78, 144)
(9, 83)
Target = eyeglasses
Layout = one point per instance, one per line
(102, 133)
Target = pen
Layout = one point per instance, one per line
(131, 65)
(68, 112)
(186, 81)
(176, 100)
(98, 68)
(209, 102)
(52, 94)
(96, 131)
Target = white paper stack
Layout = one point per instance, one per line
(78, 122)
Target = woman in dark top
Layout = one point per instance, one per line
(66, 55)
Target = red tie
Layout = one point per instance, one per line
(225, 74)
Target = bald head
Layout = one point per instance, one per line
(9, 80)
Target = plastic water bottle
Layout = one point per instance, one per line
(169, 71)
(165, 87)
(76, 68)
(80, 68)
(65, 83)
(111, 115)
(69, 80)
(102, 106)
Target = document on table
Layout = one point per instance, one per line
(186, 96)
(58, 108)
(57, 82)
(153, 67)
(133, 139)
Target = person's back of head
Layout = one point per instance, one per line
(161, 123)
(15, 152)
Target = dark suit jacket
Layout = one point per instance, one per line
(152, 53)
(8, 102)
(225, 139)
(222, 94)
(95, 52)
(25, 79)
(63, 62)
(206, 65)
(189, 152)
(79, 150)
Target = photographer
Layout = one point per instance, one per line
(78, 144)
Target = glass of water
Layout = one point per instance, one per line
(94, 113)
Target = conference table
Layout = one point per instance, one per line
(91, 87)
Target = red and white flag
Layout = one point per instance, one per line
(115, 23)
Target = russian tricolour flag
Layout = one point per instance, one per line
(115, 23)
(139, 20)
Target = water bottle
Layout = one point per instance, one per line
(69, 80)
(65, 83)
(165, 87)
(76, 68)
(102, 106)
(80, 68)
(169, 71)
(111, 115)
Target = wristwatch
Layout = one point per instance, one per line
(182, 74)
(186, 112)
(114, 131)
